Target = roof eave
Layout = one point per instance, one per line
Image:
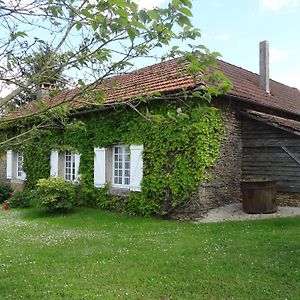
(270, 123)
(252, 102)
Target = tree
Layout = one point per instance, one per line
(90, 41)
(50, 79)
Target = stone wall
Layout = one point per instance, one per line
(16, 185)
(224, 188)
(288, 199)
(3, 168)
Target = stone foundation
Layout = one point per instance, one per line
(3, 168)
(16, 185)
(224, 188)
(288, 199)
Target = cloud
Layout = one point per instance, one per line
(222, 37)
(273, 5)
(278, 54)
(148, 4)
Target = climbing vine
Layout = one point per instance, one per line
(180, 143)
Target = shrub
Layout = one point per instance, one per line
(5, 191)
(92, 197)
(21, 199)
(55, 194)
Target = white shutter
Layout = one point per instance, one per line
(136, 167)
(23, 173)
(77, 163)
(54, 163)
(23, 176)
(9, 164)
(99, 167)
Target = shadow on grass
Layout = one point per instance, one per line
(82, 213)
(38, 213)
(92, 218)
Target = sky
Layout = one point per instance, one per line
(234, 28)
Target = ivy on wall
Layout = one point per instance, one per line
(179, 146)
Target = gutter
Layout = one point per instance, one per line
(189, 93)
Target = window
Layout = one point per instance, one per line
(66, 164)
(121, 165)
(70, 169)
(14, 167)
(19, 163)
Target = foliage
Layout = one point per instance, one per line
(91, 197)
(101, 255)
(179, 146)
(21, 199)
(37, 163)
(55, 194)
(50, 80)
(98, 38)
(89, 41)
(5, 191)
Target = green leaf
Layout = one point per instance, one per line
(187, 3)
(120, 3)
(78, 25)
(132, 33)
(185, 11)
(94, 25)
(122, 12)
(176, 2)
(153, 14)
(137, 24)
(143, 16)
(183, 20)
(17, 34)
(86, 13)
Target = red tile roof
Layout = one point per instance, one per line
(276, 121)
(246, 86)
(167, 77)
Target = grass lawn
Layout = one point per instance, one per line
(93, 254)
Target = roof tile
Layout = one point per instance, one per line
(167, 77)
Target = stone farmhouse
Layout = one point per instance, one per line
(262, 137)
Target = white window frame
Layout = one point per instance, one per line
(19, 165)
(124, 177)
(19, 160)
(69, 171)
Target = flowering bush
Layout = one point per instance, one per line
(5, 191)
(55, 194)
(5, 205)
(21, 199)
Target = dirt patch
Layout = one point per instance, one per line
(234, 212)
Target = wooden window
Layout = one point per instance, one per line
(19, 165)
(121, 166)
(70, 168)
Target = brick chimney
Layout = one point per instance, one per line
(264, 79)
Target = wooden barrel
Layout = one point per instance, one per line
(259, 195)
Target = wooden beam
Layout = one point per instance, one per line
(292, 155)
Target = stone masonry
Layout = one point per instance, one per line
(224, 187)
(288, 199)
(3, 168)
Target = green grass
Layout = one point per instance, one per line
(93, 254)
